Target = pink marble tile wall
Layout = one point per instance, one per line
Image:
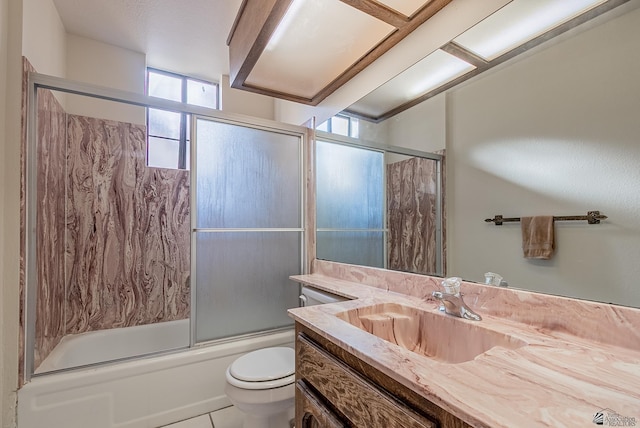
(26, 68)
(50, 294)
(411, 215)
(127, 258)
(112, 234)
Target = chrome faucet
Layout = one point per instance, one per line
(451, 301)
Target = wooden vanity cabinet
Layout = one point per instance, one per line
(335, 389)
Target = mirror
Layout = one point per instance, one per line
(553, 131)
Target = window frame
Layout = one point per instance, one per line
(350, 120)
(184, 117)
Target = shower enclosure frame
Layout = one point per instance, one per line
(369, 145)
(37, 81)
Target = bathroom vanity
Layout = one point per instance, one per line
(333, 385)
(390, 358)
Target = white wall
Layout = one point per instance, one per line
(10, 101)
(97, 63)
(421, 127)
(553, 134)
(243, 102)
(44, 37)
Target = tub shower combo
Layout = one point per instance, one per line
(187, 269)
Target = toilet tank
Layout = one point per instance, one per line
(312, 296)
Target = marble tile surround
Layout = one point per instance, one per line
(411, 215)
(49, 221)
(113, 237)
(128, 229)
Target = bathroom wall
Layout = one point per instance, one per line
(90, 61)
(421, 127)
(236, 101)
(44, 37)
(50, 219)
(43, 41)
(128, 230)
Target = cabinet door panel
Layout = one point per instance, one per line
(311, 412)
(357, 399)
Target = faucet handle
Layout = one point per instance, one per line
(452, 285)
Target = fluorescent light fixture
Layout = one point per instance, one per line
(519, 22)
(438, 68)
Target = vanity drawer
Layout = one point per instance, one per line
(350, 394)
(311, 412)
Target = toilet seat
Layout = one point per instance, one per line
(266, 368)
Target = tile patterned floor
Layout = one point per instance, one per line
(228, 417)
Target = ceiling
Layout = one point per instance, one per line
(304, 50)
(191, 38)
(187, 37)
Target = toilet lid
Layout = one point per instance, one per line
(264, 365)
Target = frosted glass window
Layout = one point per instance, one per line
(247, 178)
(355, 128)
(243, 282)
(163, 85)
(202, 93)
(164, 124)
(340, 125)
(355, 247)
(162, 153)
(349, 187)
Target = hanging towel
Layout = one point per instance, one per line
(537, 237)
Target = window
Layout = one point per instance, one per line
(341, 124)
(168, 132)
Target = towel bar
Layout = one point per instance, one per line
(592, 217)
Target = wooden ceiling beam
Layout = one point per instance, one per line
(379, 11)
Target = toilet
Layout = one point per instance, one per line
(260, 384)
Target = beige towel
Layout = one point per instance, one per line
(537, 237)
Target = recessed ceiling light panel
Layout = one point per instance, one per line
(314, 43)
(436, 69)
(519, 22)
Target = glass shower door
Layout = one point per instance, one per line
(248, 229)
(350, 204)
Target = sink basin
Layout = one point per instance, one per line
(431, 334)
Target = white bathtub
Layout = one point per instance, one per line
(145, 392)
(93, 347)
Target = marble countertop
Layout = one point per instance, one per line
(556, 379)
